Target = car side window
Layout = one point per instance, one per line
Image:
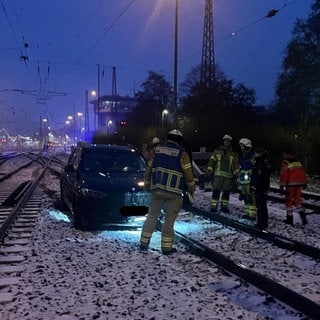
(92, 163)
(129, 162)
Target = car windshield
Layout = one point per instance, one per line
(112, 161)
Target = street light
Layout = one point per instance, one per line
(67, 137)
(164, 112)
(45, 132)
(93, 95)
(109, 123)
(79, 114)
(72, 120)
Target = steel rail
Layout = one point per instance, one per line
(306, 205)
(279, 240)
(289, 297)
(8, 175)
(22, 201)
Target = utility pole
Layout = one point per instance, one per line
(175, 72)
(98, 112)
(114, 88)
(74, 124)
(86, 114)
(41, 130)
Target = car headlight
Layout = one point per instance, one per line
(141, 184)
(92, 193)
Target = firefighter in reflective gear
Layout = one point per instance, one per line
(244, 179)
(224, 164)
(166, 174)
(292, 179)
(150, 151)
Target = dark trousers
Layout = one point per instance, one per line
(262, 211)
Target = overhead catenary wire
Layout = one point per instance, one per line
(25, 43)
(9, 22)
(23, 55)
(271, 13)
(116, 20)
(106, 30)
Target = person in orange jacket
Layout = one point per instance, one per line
(292, 179)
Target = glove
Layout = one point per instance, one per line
(305, 186)
(190, 198)
(191, 189)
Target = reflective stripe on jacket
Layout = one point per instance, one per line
(292, 172)
(223, 162)
(170, 169)
(246, 165)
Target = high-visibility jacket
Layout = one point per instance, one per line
(292, 172)
(223, 162)
(169, 170)
(246, 165)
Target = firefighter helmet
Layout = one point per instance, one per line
(246, 142)
(175, 132)
(227, 137)
(155, 140)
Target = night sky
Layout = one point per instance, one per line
(55, 46)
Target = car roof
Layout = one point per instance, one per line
(105, 147)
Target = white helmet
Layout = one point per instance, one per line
(155, 140)
(246, 142)
(227, 137)
(175, 132)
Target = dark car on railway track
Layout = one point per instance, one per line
(102, 186)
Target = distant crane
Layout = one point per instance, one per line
(207, 59)
(4, 132)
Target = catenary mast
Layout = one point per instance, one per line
(207, 60)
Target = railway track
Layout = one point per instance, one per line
(230, 244)
(279, 240)
(241, 250)
(19, 211)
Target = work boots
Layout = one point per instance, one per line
(214, 209)
(303, 217)
(225, 209)
(289, 220)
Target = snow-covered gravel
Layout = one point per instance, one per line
(72, 274)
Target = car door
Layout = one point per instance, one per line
(70, 177)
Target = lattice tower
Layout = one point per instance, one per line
(207, 60)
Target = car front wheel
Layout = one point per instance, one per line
(77, 218)
(62, 198)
